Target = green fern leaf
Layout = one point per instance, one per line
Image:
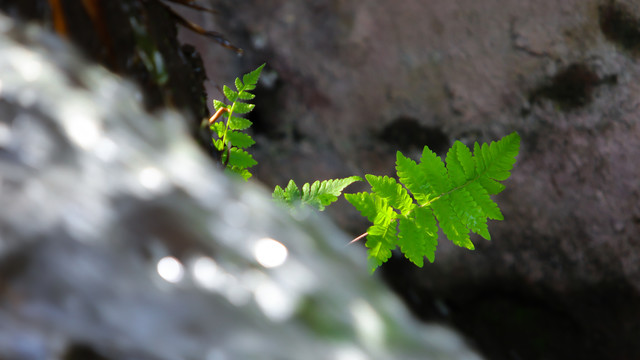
(435, 171)
(366, 203)
(218, 127)
(242, 108)
(414, 179)
(318, 195)
(236, 170)
(493, 187)
(418, 236)
(239, 139)
(321, 194)
(380, 242)
(469, 212)
(246, 96)
(217, 104)
(289, 196)
(481, 197)
(450, 223)
(238, 123)
(240, 158)
(393, 192)
(381, 238)
(456, 195)
(427, 179)
(252, 77)
(239, 85)
(460, 164)
(279, 195)
(496, 160)
(231, 95)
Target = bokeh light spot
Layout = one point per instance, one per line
(151, 178)
(170, 269)
(270, 253)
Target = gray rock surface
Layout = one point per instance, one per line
(120, 240)
(359, 80)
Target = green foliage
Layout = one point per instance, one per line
(457, 195)
(228, 137)
(429, 195)
(317, 195)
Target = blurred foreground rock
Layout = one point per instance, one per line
(120, 240)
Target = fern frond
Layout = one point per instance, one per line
(318, 195)
(457, 195)
(230, 141)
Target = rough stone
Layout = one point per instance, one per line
(564, 263)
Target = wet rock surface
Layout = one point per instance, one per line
(120, 240)
(561, 279)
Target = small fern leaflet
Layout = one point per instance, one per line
(317, 195)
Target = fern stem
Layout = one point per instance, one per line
(428, 203)
(358, 238)
(224, 136)
(226, 128)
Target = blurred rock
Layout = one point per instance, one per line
(120, 240)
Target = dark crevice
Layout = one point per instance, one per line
(266, 116)
(512, 325)
(407, 134)
(620, 26)
(504, 320)
(82, 352)
(571, 87)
